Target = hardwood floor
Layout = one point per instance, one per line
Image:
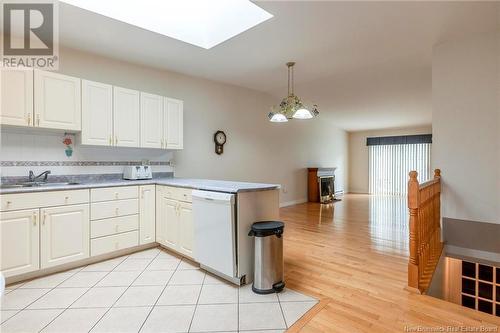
(354, 254)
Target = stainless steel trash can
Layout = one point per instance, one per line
(268, 260)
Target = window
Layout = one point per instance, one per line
(391, 159)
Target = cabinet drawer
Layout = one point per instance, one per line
(114, 225)
(106, 209)
(112, 243)
(114, 193)
(178, 193)
(42, 199)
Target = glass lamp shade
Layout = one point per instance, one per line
(278, 118)
(302, 114)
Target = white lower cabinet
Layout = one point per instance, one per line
(115, 242)
(174, 222)
(160, 215)
(147, 214)
(19, 236)
(65, 234)
(186, 230)
(46, 229)
(115, 219)
(169, 222)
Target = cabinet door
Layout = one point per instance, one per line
(160, 215)
(151, 121)
(65, 235)
(186, 231)
(173, 123)
(147, 214)
(57, 101)
(19, 236)
(171, 224)
(126, 117)
(167, 222)
(16, 97)
(97, 113)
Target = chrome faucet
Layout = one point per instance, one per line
(33, 178)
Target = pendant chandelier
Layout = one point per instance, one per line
(291, 107)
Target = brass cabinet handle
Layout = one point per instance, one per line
(116, 140)
(44, 218)
(8, 203)
(34, 218)
(116, 211)
(38, 120)
(29, 119)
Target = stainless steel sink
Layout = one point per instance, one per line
(60, 184)
(36, 184)
(14, 185)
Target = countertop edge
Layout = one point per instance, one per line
(165, 182)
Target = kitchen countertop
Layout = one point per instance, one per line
(197, 184)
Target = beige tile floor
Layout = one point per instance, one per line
(148, 291)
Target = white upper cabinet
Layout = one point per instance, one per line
(97, 113)
(151, 121)
(57, 101)
(126, 117)
(16, 97)
(173, 123)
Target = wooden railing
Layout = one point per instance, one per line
(424, 203)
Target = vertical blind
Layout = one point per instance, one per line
(389, 166)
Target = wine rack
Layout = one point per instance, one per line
(481, 287)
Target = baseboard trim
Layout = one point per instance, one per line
(293, 202)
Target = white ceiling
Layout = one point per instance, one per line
(368, 63)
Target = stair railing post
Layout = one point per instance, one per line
(413, 204)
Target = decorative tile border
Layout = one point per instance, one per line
(75, 163)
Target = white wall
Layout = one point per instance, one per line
(466, 126)
(358, 154)
(256, 150)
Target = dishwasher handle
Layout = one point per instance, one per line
(213, 197)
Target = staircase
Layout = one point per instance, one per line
(424, 204)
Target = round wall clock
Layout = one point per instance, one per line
(220, 140)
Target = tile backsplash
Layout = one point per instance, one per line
(22, 150)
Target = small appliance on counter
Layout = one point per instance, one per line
(136, 172)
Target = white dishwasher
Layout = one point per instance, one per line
(215, 232)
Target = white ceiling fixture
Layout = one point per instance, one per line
(199, 22)
(291, 106)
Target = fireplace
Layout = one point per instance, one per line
(326, 188)
(321, 184)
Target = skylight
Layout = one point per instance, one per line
(204, 23)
